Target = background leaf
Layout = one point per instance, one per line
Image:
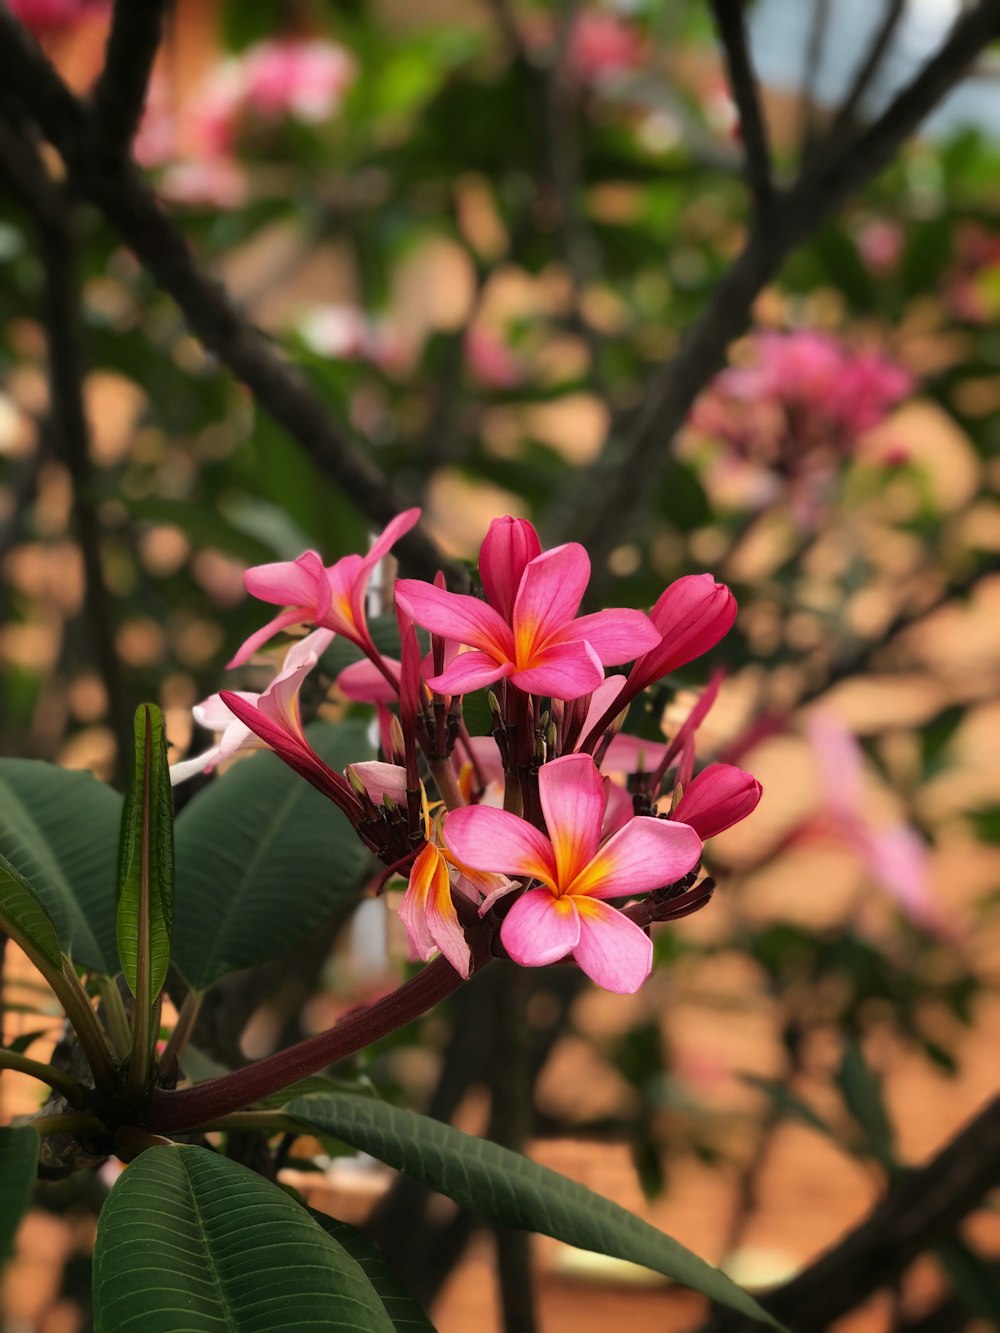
(147, 837)
(262, 857)
(18, 1165)
(231, 1252)
(505, 1187)
(23, 914)
(60, 830)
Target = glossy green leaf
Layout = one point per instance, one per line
(189, 1240)
(59, 830)
(262, 857)
(24, 918)
(18, 1167)
(146, 860)
(399, 1305)
(510, 1189)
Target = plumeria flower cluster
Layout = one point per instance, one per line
(556, 836)
(798, 407)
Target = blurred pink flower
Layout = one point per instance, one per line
(603, 46)
(880, 244)
(48, 16)
(302, 79)
(491, 360)
(894, 855)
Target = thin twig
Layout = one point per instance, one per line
(843, 126)
(730, 22)
(120, 93)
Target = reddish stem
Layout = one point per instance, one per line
(174, 1112)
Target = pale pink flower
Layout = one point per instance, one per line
(569, 912)
(491, 360)
(280, 699)
(603, 46)
(894, 855)
(302, 79)
(528, 630)
(345, 333)
(330, 598)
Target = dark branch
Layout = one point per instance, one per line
(130, 206)
(846, 116)
(120, 93)
(745, 90)
(920, 1208)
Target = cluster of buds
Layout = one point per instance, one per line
(520, 842)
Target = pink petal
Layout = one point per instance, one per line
(551, 590)
(601, 700)
(719, 797)
(199, 763)
(381, 780)
(507, 548)
(898, 862)
(496, 840)
(213, 714)
(391, 534)
(615, 636)
(692, 614)
(469, 671)
(540, 929)
(456, 616)
(646, 854)
(428, 911)
(571, 792)
(563, 671)
(613, 951)
(256, 640)
(840, 761)
(363, 682)
(633, 754)
(618, 812)
(342, 610)
(288, 582)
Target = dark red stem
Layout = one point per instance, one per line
(174, 1112)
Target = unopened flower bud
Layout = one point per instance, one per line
(717, 798)
(692, 614)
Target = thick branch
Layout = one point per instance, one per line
(120, 93)
(920, 1208)
(753, 130)
(130, 206)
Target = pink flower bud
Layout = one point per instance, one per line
(507, 548)
(692, 614)
(719, 797)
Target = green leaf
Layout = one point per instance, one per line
(24, 918)
(976, 1281)
(399, 1305)
(59, 829)
(510, 1189)
(146, 861)
(229, 1252)
(262, 857)
(986, 822)
(18, 1167)
(861, 1089)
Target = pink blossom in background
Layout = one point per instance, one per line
(568, 913)
(346, 333)
(801, 403)
(528, 631)
(48, 16)
(302, 79)
(895, 856)
(603, 46)
(880, 244)
(491, 360)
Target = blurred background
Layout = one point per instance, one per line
(481, 231)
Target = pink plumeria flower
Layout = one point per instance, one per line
(568, 913)
(428, 910)
(302, 79)
(528, 630)
(330, 598)
(720, 796)
(215, 714)
(895, 856)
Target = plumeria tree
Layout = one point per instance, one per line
(307, 306)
